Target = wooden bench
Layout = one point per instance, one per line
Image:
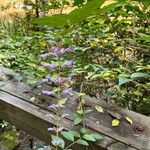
(17, 108)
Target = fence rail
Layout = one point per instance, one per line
(33, 117)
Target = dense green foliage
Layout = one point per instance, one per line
(112, 50)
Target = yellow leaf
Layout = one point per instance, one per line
(115, 122)
(32, 65)
(2, 56)
(32, 99)
(99, 108)
(62, 102)
(118, 49)
(129, 120)
(81, 94)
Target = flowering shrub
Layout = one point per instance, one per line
(60, 77)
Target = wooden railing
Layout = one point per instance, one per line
(17, 108)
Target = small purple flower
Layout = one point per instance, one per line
(51, 42)
(70, 49)
(69, 63)
(52, 129)
(68, 79)
(54, 106)
(57, 143)
(45, 92)
(61, 80)
(44, 56)
(62, 51)
(65, 115)
(50, 79)
(58, 51)
(67, 92)
(55, 49)
(50, 115)
(44, 80)
(49, 66)
(60, 129)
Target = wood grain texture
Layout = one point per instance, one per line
(17, 109)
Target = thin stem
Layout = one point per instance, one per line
(72, 144)
(59, 97)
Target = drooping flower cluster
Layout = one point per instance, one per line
(57, 52)
(57, 66)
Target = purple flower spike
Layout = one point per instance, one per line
(49, 66)
(69, 63)
(67, 92)
(45, 92)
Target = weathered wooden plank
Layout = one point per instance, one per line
(32, 119)
(124, 133)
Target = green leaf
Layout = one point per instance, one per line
(68, 135)
(89, 137)
(123, 80)
(83, 131)
(77, 120)
(97, 136)
(73, 17)
(88, 111)
(78, 2)
(80, 112)
(62, 102)
(147, 85)
(83, 142)
(145, 107)
(55, 20)
(144, 38)
(139, 75)
(2, 83)
(58, 139)
(75, 134)
(89, 74)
